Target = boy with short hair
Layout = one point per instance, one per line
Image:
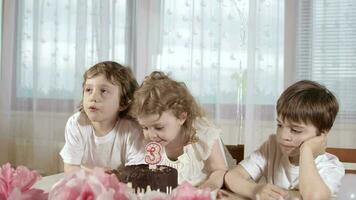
(294, 161)
(102, 134)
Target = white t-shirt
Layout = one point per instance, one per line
(269, 162)
(121, 146)
(190, 165)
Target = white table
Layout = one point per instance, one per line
(47, 182)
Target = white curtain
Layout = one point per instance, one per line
(230, 55)
(47, 46)
(228, 52)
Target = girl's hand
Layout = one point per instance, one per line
(271, 192)
(317, 145)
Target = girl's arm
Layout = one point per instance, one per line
(217, 167)
(311, 185)
(71, 168)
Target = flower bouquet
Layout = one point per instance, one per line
(96, 184)
(90, 185)
(15, 184)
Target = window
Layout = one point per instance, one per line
(326, 48)
(59, 40)
(218, 48)
(209, 40)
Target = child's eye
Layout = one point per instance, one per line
(104, 91)
(295, 131)
(279, 125)
(87, 89)
(158, 128)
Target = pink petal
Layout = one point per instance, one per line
(32, 194)
(87, 193)
(16, 183)
(4, 191)
(24, 178)
(6, 172)
(187, 191)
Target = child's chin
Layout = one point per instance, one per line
(163, 143)
(94, 118)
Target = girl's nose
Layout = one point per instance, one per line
(152, 135)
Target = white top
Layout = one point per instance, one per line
(269, 162)
(190, 165)
(121, 146)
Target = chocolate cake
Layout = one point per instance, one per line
(140, 176)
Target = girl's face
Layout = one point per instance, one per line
(101, 99)
(291, 135)
(164, 130)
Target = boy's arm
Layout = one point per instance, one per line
(311, 185)
(73, 149)
(71, 168)
(240, 182)
(217, 168)
(134, 153)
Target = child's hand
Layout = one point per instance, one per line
(316, 144)
(269, 191)
(225, 195)
(209, 185)
(215, 180)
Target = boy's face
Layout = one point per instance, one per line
(164, 129)
(291, 135)
(101, 99)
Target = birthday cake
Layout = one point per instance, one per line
(162, 178)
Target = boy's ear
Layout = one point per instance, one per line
(324, 132)
(183, 117)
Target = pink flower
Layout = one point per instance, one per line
(17, 183)
(186, 191)
(90, 185)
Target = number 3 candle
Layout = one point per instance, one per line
(153, 154)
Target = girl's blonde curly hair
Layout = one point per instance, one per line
(159, 93)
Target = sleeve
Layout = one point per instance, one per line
(331, 171)
(135, 147)
(207, 135)
(73, 149)
(255, 164)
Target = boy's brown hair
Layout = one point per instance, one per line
(308, 102)
(159, 93)
(117, 75)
